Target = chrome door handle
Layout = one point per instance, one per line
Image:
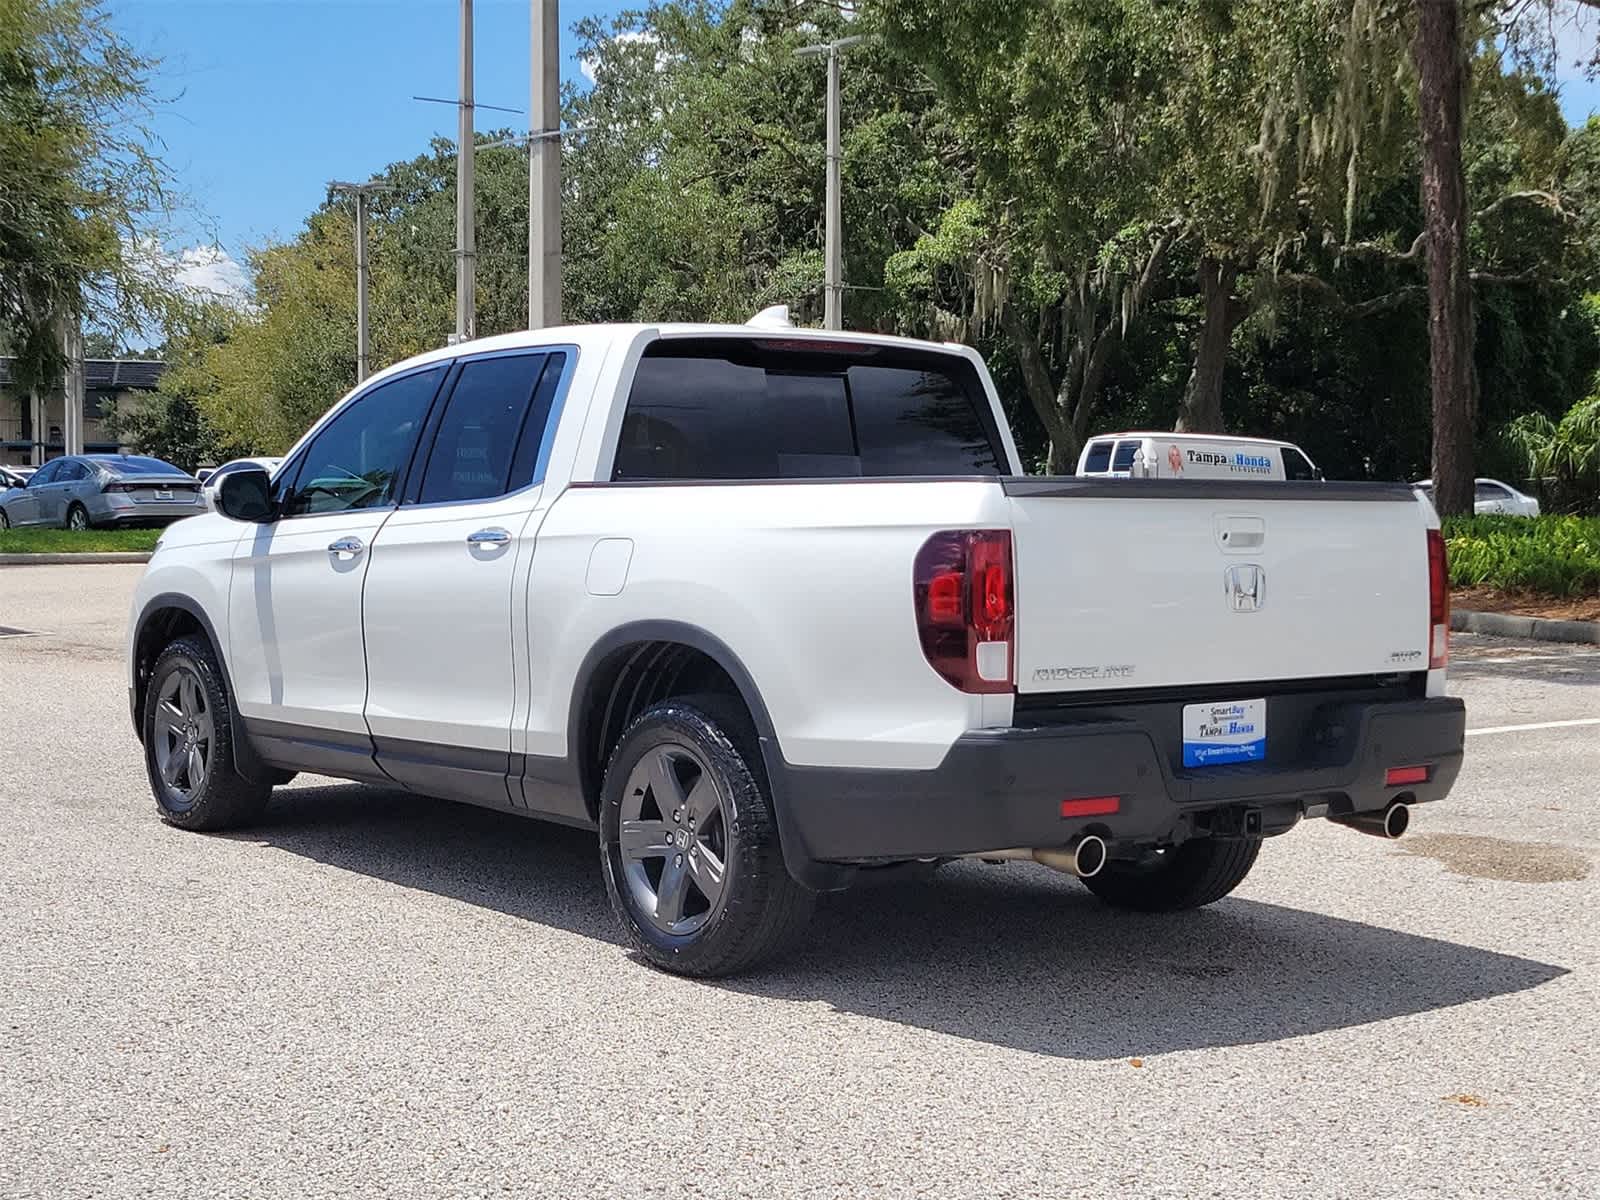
(488, 537)
(345, 545)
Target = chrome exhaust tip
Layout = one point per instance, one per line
(1083, 857)
(1391, 823)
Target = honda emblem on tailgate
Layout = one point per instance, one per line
(1246, 587)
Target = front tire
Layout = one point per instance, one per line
(1196, 873)
(188, 743)
(689, 842)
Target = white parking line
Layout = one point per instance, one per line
(1537, 725)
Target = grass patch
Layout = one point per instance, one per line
(1551, 556)
(65, 541)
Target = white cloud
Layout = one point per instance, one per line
(587, 65)
(211, 273)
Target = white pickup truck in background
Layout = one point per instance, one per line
(772, 609)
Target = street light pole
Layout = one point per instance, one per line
(363, 273)
(833, 220)
(466, 233)
(544, 167)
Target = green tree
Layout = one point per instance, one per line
(172, 423)
(83, 195)
(1565, 452)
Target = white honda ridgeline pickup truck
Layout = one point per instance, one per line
(773, 608)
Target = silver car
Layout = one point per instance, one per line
(102, 489)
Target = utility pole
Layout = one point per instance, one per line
(832, 233)
(466, 232)
(363, 271)
(72, 389)
(544, 167)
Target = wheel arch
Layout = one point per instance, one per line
(163, 619)
(639, 664)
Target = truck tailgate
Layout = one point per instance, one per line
(1156, 583)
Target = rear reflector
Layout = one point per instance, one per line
(1398, 776)
(1091, 806)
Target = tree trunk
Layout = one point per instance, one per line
(1442, 77)
(1097, 328)
(1202, 395)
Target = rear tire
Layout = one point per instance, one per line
(1196, 873)
(699, 884)
(188, 743)
(78, 518)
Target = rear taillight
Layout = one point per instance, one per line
(1438, 602)
(120, 487)
(962, 587)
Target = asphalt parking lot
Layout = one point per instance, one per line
(372, 994)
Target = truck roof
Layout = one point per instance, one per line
(1169, 436)
(596, 336)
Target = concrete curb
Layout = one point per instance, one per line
(1541, 629)
(56, 560)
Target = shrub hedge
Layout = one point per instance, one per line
(1553, 555)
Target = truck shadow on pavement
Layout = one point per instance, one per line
(1015, 956)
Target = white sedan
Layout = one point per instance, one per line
(213, 480)
(1492, 496)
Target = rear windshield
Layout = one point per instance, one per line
(137, 465)
(746, 409)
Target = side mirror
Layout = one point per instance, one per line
(247, 496)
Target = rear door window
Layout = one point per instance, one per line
(736, 409)
(1124, 456)
(491, 412)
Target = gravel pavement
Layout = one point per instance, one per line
(375, 995)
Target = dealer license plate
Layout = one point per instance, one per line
(1228, 731)
(160, 495)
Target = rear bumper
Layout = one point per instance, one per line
(144, 514)
(1002, 788)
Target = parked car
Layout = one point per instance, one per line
(1193, 456)
(211, 477)
(653, 581)
(11, 477)
(87, 490)
(1492, 496)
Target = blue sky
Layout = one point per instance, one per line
(272, 98)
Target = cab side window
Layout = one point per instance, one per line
(46, 474)
(1297, 465)
(356, 459)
